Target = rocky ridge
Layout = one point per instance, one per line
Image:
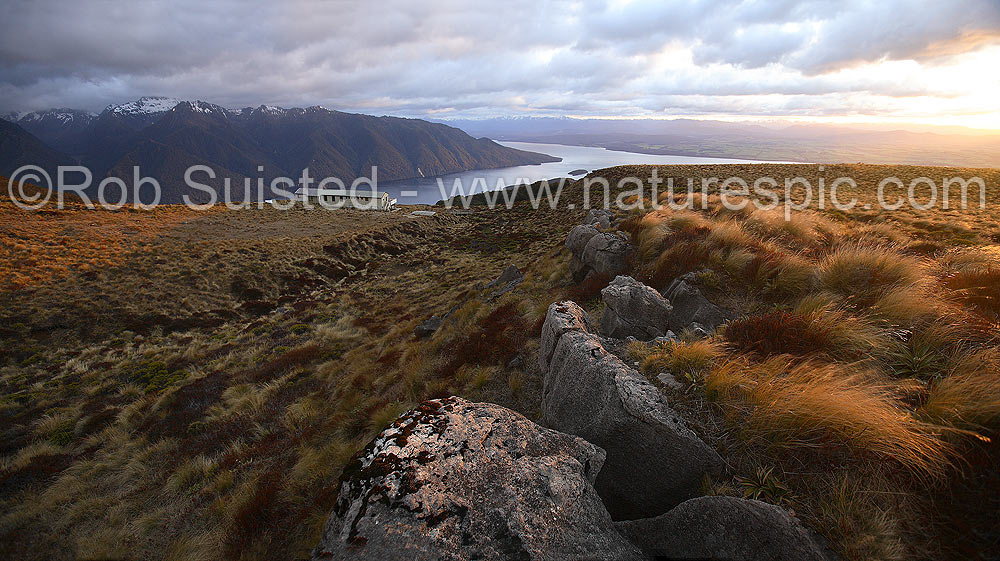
(614, 473)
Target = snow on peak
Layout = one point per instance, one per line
(205, 107)
(145, 106)
(63, 116)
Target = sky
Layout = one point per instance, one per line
(920, 61)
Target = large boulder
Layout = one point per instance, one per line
(726, 528)
(691, 306)
(457, 480)
(608, 253)
(654, 462)
(579, 237)
(560, 318)
(634, 309)
(577, 242)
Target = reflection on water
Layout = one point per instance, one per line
(425, 190)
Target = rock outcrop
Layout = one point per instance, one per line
(603, 218)
(428, 327)
(634, 309)
(606, 253)
(726, 528)
(691, 306)
(508, 280)
(458, 480)
(654, 462)
(579, 237)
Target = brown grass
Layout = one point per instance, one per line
(978, 288)
(778, 332)
(807, 402)
(968, 396)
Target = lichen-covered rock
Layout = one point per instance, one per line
(726, 528)
(459, 481)
(634, 309)
(654, 461)
(691, 306)
(608, 253)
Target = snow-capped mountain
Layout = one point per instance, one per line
(144, 106)
(60, 128)
(165, 136)
(13, 116)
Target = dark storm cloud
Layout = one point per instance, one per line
(517, 56)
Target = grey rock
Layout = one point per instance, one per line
(608, 253)
(560, 318)
(579, 237)
(423, 213)
(459, 481)
(578, 269)
(698, 330)
(726, 528)
(634, 309)
(509, 275)
(516, 362)
(603, 218)
(654, 461)
(508, 280)
(691, 306)
(577, 242)
(667, 338)
(667, 379)
(427, 328)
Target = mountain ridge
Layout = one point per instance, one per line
(237, 143)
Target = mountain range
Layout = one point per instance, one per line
(165, 136)
(815, 142)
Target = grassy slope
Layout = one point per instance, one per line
(195, 393)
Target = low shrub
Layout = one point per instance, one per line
(154, 376)
(778, 332)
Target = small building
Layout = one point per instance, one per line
(361, 198)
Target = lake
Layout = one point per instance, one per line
(425, 190)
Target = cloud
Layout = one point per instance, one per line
(642, 57)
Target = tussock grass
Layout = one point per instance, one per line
(968, 396)
(862, 528)
(862, 273)
(978, 287)
(688, 360)
(778, 332)
(791, 403)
